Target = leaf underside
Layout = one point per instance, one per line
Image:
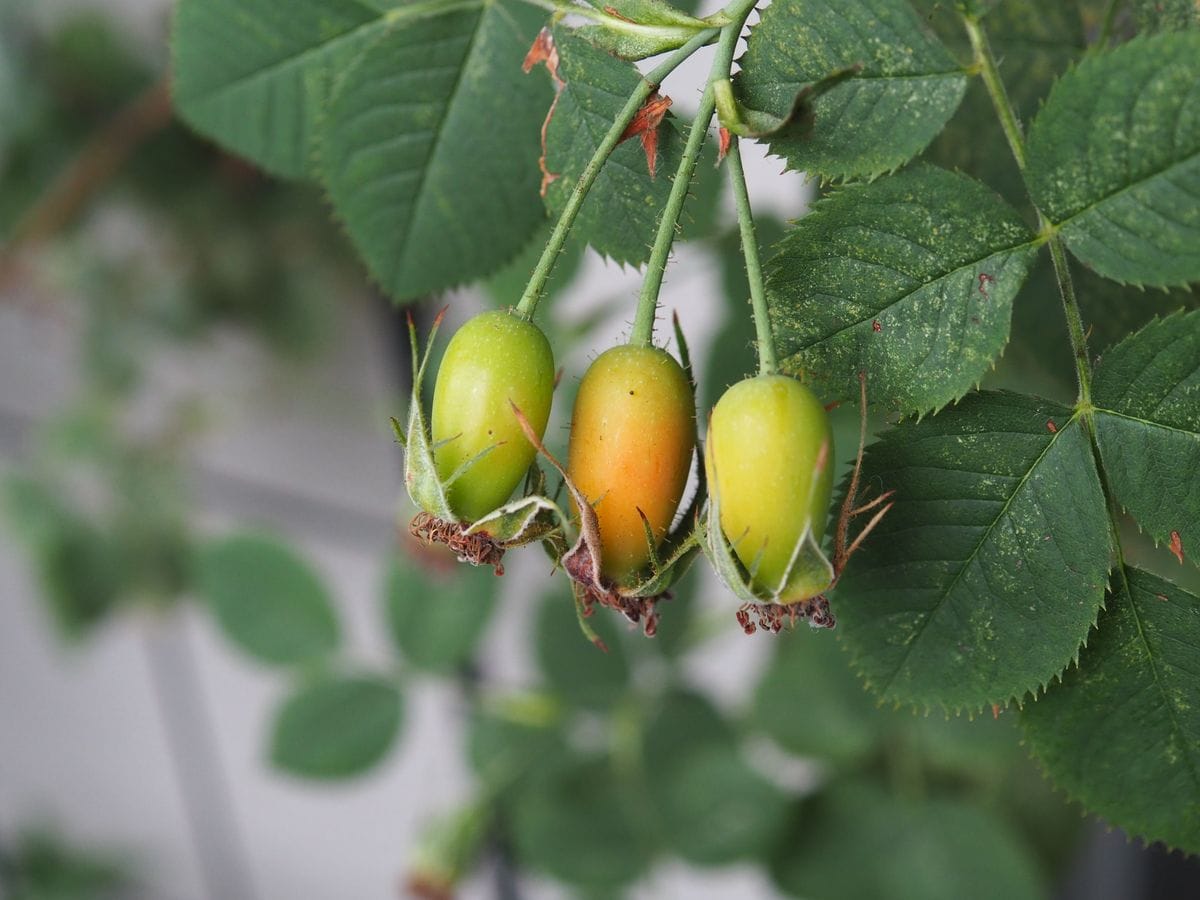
(1114, 160)
(982, 582)
(874, 122)
(910, 279)
(1121, 732)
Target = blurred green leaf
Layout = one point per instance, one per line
(575, 825)
(577, 670)
(42, 866)
(437, 617)
(336, 727)
(267, 599)
(715, 808)
(1166, 15)
(856, 840)
(506, 749)
(811, 703)
(683, 721)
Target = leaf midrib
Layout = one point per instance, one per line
(970, 557)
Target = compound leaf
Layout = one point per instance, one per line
(429, 148)
(254, 74)
(1114, 160)
(336, 727)
(1147, 394)
(1121, 732)
(622, 209)
(875, 121)
(910, 279)
(982, 582)
(266, 599)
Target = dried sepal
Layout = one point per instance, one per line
(582, 560)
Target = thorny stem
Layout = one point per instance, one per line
(986, 62)
(643, 323)
(648, 84)
(758, 297)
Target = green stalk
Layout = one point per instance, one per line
(1106, 26)
(985, 60)
(643, 323)
(758, 297)
(648, 84)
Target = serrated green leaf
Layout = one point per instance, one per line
(336, 727)
(574, 824)
(429, 148)
(437, 618)
(1147, 394)
(267, 599)
(856, 840)
(255, 74)
(1114, 160)
(910, 279)
(1121, 732)
(874, 122)
(573, 668)
(622, 209)
(982, 582)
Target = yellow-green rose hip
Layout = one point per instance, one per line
(494, 360)
(770, 459)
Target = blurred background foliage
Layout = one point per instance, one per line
(607, 763)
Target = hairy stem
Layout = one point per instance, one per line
(758, 297)
(648, 84)
(643, 323)
(985, 60)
